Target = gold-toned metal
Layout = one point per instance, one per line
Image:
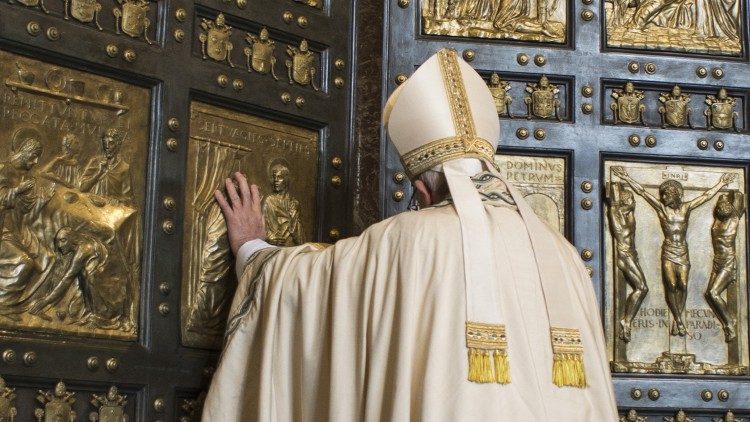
(540, 60)
(112, 50)
(650, 68)
(260, 53)
(172, 144)
(164, 308)
(53, 34)
(674, 110)
(340, 63)
(169, 203)
(180, 14)
(469, 54)
(717, 73)
(129, 55)
(287, 17)
(634, 67)
(701, 71)
(8, 409)
(590, 271)
(238, 85)
(35, 3)
(707, 395)
(728, 417)
(92, 363)
(179, 35)
(722, 395)
(280, 158)
(654, 394)
(222, 80)
(628, 105)
(703, 143)
(398, 195)
(587, 203)
(542, 101)
(174, 124)
(9, 356)
(632, 415)
(302, 65)
(299, 102)
(718, 145)
(167, 226)
(33, 28)
(337, 162)
(194, 407)
(636, 393)
(499, 89)
(85, 11)
(587, 2)
(241, 4)
(110, 406)
(706, 29)
(587, 15)
(112, 364)
(165, 288)
(587, 91)
(587, 108)
(131, 18)
(541, 181)
(720, 113)
(650, 141)
(522, 133)
(675, 305)
(215, 40)
(302, 22)
(679, 416)
(399, 177)
(30, 358)
(160, 405)
(587, 254)
(401, 78)
(587, 186)
(540, 134)
(334, 234)
(542, 22)
(403, 4)
(338, 81)
(522, 59)
(286, 97)
(58, 404)
(336, 181)
(83, 192)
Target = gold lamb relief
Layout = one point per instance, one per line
(678, 300)
(72, 187)
(523, 20)
(282, 160)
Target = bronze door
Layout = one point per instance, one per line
(625, 124)
(119, 119)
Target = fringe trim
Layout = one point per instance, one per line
(487, 353)
(567, 358)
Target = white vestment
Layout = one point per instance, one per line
(373, 329)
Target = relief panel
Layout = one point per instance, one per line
(530, 96)
(282, 160)
(72, 188)
(701, 27)
(541, 180)
(676, 275)
(523, 20)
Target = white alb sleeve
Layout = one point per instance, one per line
(246, 251)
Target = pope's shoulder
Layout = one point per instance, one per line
(428, 222)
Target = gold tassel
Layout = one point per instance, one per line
(487, 353)
(502, 368)
(567, 360)
(480, 369)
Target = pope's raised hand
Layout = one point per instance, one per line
(242, 211)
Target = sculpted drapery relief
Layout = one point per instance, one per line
(69, 201)
(679, 299)
(282, 160)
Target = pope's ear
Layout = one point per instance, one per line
(424, 195)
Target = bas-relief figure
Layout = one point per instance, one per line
(720, 113)
(525, 20)
(280, 159)
(8, 409)
(70, 245)
(683, 320)
(702, 26)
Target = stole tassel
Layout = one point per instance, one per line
(487, 353)
(567, 358)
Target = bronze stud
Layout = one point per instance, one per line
(722, 395)
(634, 140)
(339, 63)
(634, 67)
(400, 78)
(587, 186)
(222, 80)
(540, 134)
(33, 28)
(540, 60)
(469, 55)
(180, 14)
(587, 203)
(337, 162)
(112, 364)
(165, 288)
(53, 34)
(112, 50)
(399, 177)
(587, 108)
(172, 144)
(179, 35)
(287, 17)
(650, 141)
(92, 363)
(334, 233)
(703, 143)
(164, 308)
(522, 59)
(169, 203)
(522, 133)
(29, 358)
(654, 394)
(300, 102)
(398, 195)
(129, 55)
(238, 85)
(242, 4)
(650, 68)
(302, 22)
(338, 81)
(173, 124)
(587, 15)
(9, 356)
(718, 145)
(167, 226)
(707, 395)
(286, 97)
(336, 181)
(701, 71)
(587, 91)
(636, 393)
(717, 73)
(159, 405)
(403, 4)
(587, 254)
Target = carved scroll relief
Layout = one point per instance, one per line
(524, 20)
(702, 27)
(282, 160)
(541, 180)
(677, 300)
(72, 182)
